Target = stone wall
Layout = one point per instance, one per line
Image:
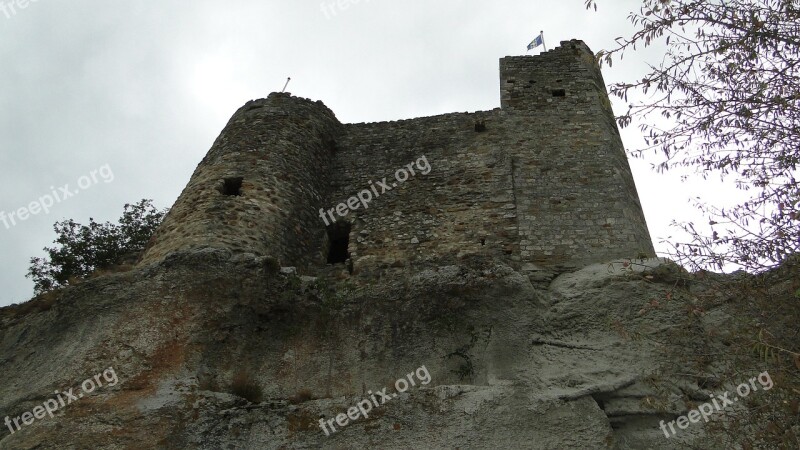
(543, 179)
(463, 206)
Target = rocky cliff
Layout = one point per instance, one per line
(209, 349)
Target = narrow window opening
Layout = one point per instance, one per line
(511, 80)
(559, 93)
(232, 186)
(483, 241)
(338, 242)
(480, 127)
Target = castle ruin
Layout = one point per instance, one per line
(543, 179)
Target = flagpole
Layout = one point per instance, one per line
(541, 33)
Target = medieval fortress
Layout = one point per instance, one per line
(542, 180)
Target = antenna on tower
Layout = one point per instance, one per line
(287, 84)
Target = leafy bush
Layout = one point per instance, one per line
(81, 249)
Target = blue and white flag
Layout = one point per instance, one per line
(536, 42)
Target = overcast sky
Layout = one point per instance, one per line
(125, 98)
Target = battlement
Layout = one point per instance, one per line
(543, 179)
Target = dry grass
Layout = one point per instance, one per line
(243, 385)
(301, 396)
(41, 303)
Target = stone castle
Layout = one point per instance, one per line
(543, 180)
(490, 270)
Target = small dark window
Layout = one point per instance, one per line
(480, 127)
(511, 80)
(338, 241)
(232, 186)
(559, 93)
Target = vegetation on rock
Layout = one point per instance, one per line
(82, 249)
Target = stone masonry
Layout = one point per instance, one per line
(543, 179)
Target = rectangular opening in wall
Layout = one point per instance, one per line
(559, 93)
(338, 242)
(232, 186)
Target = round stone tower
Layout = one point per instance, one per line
(259, 187)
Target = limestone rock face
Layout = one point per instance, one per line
(214, 350)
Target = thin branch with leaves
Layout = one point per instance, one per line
(724, 100)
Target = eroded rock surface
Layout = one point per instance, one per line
(220, 351)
